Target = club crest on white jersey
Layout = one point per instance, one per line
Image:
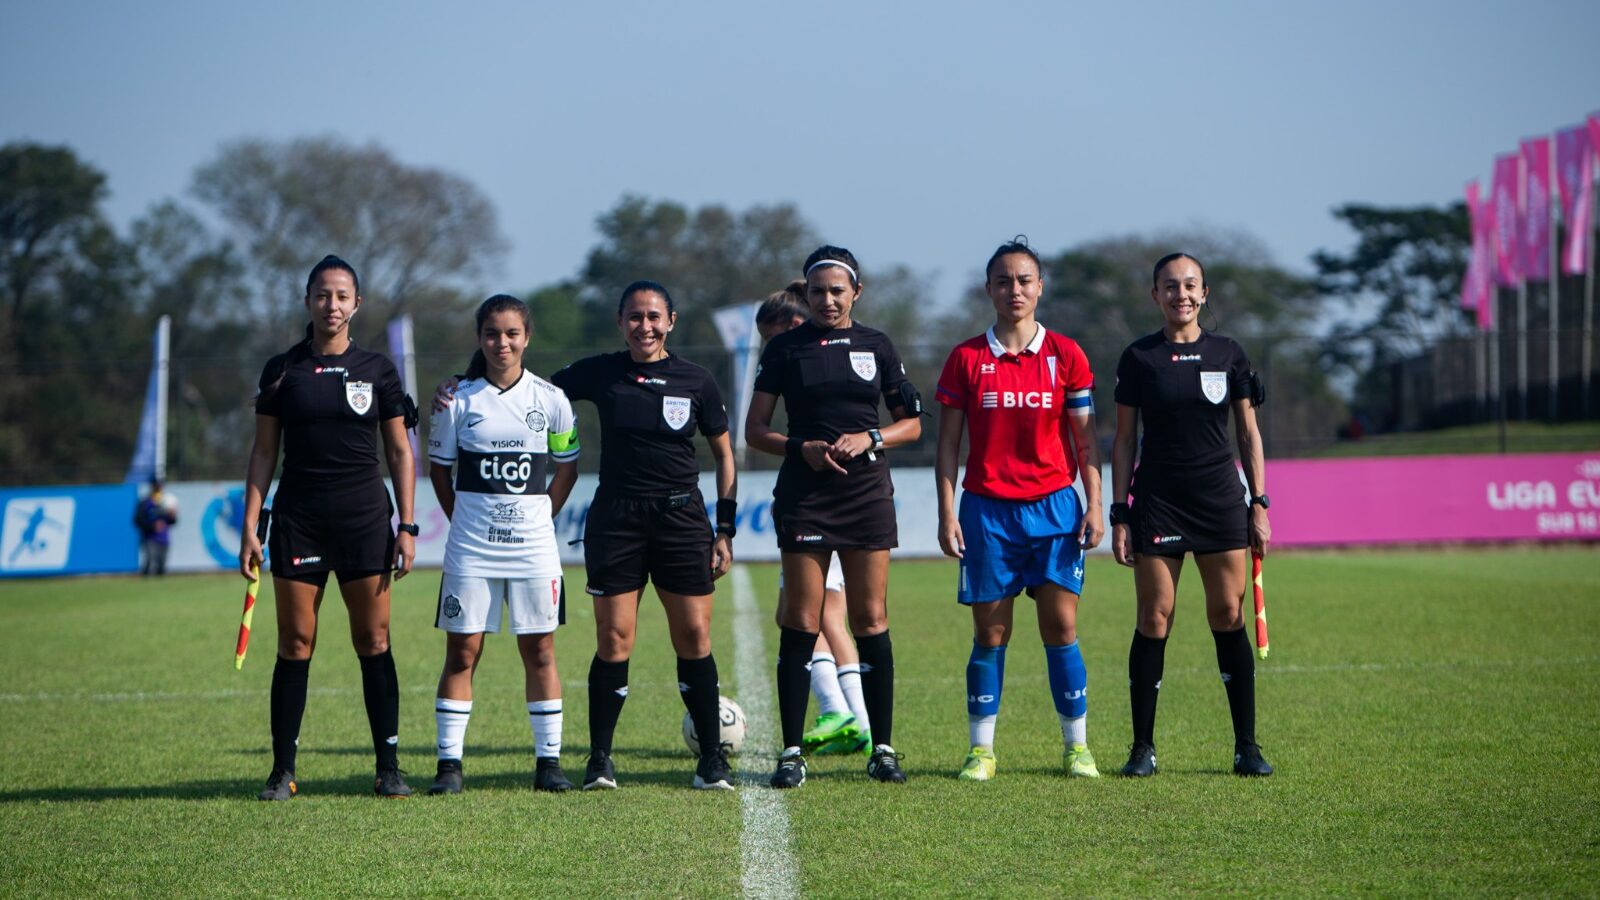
(865, 364)
(359, 395)
(676, 411)
(1214, 385)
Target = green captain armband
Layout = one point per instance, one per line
(564, 443)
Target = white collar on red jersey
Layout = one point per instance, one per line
(1033, 345)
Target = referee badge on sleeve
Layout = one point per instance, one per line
(359, 395)
(864, 364)
(676, 411)
(1214, 385)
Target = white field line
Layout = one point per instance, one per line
(1267, 669)
(768, 865)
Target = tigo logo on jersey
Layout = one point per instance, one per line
(1018, 399)
(514, 472)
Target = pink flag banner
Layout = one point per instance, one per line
(1575, 173)
(1506, 200)
(1427, 499)
(1476, 291)
(1594, 132)
(1536, 210)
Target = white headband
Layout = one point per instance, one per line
(854, 279)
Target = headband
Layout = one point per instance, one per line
(854, 278)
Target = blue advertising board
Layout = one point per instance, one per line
(68, 530)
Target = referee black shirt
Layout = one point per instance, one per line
(1184, 393)
(648, 416)
(330, 407)
(830, 381)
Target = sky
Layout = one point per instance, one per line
(921, 134)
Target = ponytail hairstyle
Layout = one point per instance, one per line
(785, 305)
(479, 366)
(645, 285)
(302, 349)
(829, 255)
(1018, 244)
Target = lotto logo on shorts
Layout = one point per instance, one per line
(808, 538)
(306, 560)
(1166, 538)
(1018, 399)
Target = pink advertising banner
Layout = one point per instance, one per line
(1536, 210)
(1506, 198)
(1427, 499)
(1477, 293)
(1575, 171)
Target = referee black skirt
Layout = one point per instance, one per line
(817, 511)
(337, 528)
(632, 539)
(1178, 510)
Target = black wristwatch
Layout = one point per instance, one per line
(1261, 501)
(877, 438)
(410, 528)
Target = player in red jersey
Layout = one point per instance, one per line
(1023, 395)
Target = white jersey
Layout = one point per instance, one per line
(500, 443)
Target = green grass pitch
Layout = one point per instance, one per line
(1432, 716)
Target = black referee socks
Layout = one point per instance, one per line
(697, 685)
(608, 690)
(381, 689)
(1146, 659)
(289, 679)
(1238, 669)
(877, 684)
(794, 682)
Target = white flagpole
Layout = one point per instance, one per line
(163, 364)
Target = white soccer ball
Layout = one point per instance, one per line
(732, 718)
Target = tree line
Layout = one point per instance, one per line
(79, 298)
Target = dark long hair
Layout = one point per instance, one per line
(479, 366)
(1018, 244)
(645, 285)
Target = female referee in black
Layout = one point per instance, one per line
(833, 493)
(1182, 381)
(647, 521)
(327, 401)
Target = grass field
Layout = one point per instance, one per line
(1432, 716)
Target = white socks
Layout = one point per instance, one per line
(544, 716)
(980, 730)
(1074, 732)
(825, 684)
(850, 686)
(450, 716)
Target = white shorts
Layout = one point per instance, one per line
(833, 581)
(469, 604)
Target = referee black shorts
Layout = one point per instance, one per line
(816, 511)
(340, 529)
(630, 540)
(1178, 511)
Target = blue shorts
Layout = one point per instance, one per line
(1012, 545)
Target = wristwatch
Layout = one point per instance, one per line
(410, 528)
(1262, 501)
(877, 438)
(1119, 514)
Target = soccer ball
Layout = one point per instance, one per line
(732, 718)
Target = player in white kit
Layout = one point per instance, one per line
(501, 432)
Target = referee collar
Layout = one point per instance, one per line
(1033, 345)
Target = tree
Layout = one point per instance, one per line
(1401, 283)
(49, 204)
(406, 229)
(708, 257)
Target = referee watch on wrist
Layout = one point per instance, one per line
(1262, 501)
(877, 438)
(410, 528)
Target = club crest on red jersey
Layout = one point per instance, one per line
(864, 364)
(359, 395)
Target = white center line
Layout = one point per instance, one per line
(767, 856)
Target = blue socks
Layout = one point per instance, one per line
(1069, 688)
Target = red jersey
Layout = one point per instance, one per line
(1014, 404)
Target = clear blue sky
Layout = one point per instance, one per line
(916, 133)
